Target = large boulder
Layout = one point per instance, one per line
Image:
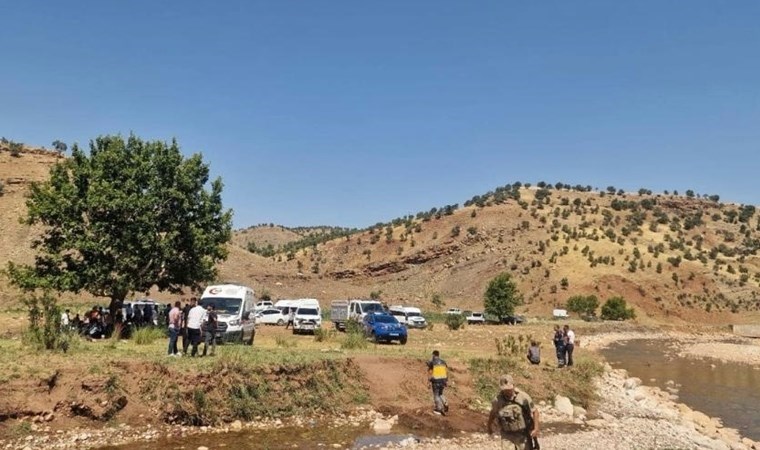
(563, 405)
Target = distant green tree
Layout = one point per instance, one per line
(690, 193)
(59, 146)
(376, 295)
(130, 216)
(501, 296)
(616, 308)
(583, 305)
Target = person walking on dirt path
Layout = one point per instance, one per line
(569, 345)
(209, 330)
(175, 323)
(559, 345)
(516, 415)
(194, 321)
(438, 375)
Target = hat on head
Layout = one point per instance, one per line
(506, 382)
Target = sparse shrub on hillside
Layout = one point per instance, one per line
(474, 213)
(616, 308)
(437, 300)
(472, 231)
(15, 149)
(2, 188)
(564, 283)
(455, 231)
(455, 321)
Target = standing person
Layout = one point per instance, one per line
(194, 321)
(65, 320)
(559, 345)
(438, 375)
(534, 353)
(175, 323)
(291, 317)
(210, 330)
(183, 329)
(569, 345)
(518, 420)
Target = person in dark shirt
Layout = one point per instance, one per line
(209, 328)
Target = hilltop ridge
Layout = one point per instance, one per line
(671, 256)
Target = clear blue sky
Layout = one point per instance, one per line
(349, 113)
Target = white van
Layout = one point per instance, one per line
(290, 305)
(408, 315)
(306, 313)
(234, 305)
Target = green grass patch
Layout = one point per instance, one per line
(148, 335)
(353, 341)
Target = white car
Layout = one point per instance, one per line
(454, 311)
(271, 316)
(262, 305)
(476, 318)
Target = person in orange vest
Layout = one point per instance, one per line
(438, 375)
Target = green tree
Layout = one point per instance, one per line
(583, 305)
(501, 296)
(437, 301)
(129, 216)
(59, 146)
(616, 308)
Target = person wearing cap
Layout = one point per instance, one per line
(516, 415)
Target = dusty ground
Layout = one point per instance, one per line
(394, 377)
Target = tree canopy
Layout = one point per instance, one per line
(583, 305)
(501, 296)
(129, 216)
(616, 308)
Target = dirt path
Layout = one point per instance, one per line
(398, 388)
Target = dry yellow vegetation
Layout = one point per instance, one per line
(709, 269)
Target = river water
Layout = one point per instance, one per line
(727, 390)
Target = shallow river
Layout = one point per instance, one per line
(730, 391)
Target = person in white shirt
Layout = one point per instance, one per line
(569, 345)
(194, 321)
(65, 320)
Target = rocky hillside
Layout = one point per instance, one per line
(671, 256)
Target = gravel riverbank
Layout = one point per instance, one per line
(629, 417)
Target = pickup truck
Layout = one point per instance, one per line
(343, 310)
(476, 318)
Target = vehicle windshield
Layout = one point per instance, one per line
(413, 314)
(372, 307)
(307, 311)
(385, 319)
(222, 305)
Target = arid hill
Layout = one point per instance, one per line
(672, 257)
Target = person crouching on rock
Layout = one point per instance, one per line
(534, 353)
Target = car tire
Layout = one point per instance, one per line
(375, 338)
(403, 341)
(280, 322)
